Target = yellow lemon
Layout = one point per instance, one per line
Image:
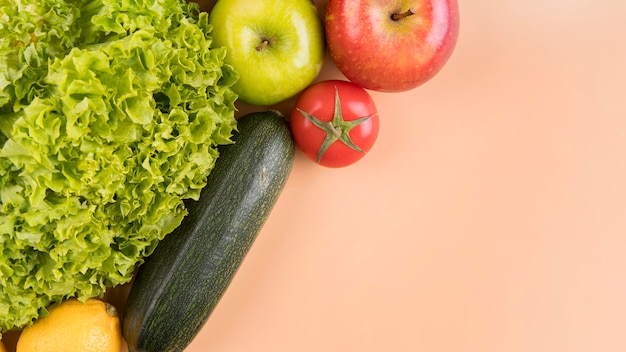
(74, 326)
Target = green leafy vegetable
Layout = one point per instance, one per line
(110, 114)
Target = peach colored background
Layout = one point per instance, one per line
(490, 216)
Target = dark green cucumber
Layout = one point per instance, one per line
(181, 282)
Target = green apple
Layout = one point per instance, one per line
(276, 46)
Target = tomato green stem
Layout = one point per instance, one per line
(337, 129)
(399, 16)
(334, 130)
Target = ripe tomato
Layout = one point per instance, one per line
(334, 123)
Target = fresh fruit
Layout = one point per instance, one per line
(180, 284)
(2, 348)
(335, 123)
(277, 47)
(74, 326)
(391, 45)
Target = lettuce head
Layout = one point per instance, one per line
(110, 115)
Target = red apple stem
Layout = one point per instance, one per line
(399, 16)
(263, 45)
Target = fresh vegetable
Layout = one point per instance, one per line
(110, 114)
(335, 123)
(179, 285)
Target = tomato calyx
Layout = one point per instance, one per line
(337, 129)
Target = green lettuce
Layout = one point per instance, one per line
(110, 115)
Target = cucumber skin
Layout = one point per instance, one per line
(181, 282)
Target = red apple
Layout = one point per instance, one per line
(391, 45)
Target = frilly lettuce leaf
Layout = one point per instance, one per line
(110, 114)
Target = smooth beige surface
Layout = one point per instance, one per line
(489, 217)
